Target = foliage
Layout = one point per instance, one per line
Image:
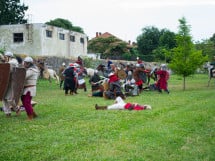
(185, 59)
(152, 42)
(167, 39)
(2, 50)
(69, 127)
(90, 63)
(12, 12)
(110, 46)
(207, 47)
(66, 24)
(148, 40)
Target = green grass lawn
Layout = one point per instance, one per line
(180, 126)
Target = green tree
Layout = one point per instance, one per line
(66, 24)
(213, 38)
(108, 47)
(148, 41)
(12, 12)
(185, 58)
(207, 47)
(152, 42)
(167, 41)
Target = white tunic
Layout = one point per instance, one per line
(31, 81)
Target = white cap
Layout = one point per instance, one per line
(28, 59)
(8, 53)
(63, 64)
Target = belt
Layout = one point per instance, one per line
(29, 86)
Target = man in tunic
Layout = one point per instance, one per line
(9, 101)
(29, 90)
(119, 104)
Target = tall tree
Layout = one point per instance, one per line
(166, 42)
(148, 41)
(152, 42)
(66, 24)
(185, 58)
(12, 12)
(207, 47)
(108, 47)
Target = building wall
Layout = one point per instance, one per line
(36, 42)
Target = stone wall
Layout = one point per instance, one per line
(56, 62)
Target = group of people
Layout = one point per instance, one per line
(110, 83)
(133, 78)
(72, 77)
(29, 86)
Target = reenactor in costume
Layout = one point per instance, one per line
(80, 61)
(69, 82)
(8, 100)
(163, 76)
(61, 69)
(140, 76)
(212, 72)
(96, 86)
(114, 87)
(119, 104)
(80, 83)
(29, 90)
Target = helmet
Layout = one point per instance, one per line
(76, 65)
(163, 67)
(96, 71)
(28, 59)
(63, 64)
(8, 53)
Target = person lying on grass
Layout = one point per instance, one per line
(119, 104)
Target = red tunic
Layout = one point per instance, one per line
(134, 106)
(113, 78)
(162, 81)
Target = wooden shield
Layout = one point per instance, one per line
(121, 74)
(17, 83)
(4, 78)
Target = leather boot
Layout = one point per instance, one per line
(30, 117)
(18, 112)
(34, 115)
(100, 107)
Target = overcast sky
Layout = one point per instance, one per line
(126, 18)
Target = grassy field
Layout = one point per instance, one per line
(180, 127)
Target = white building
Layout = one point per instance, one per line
(39, 39)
